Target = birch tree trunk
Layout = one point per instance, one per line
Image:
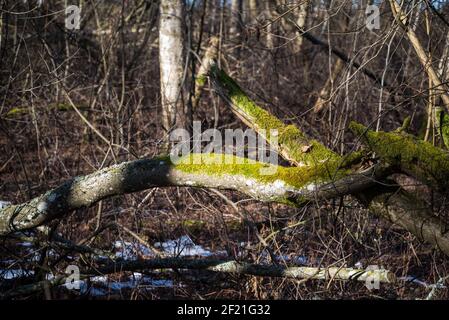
(252, 8)
(269, 30)
(171, 59)
(301, 19)
(235, 30)
(443, 65)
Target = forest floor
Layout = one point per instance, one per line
(201, 224)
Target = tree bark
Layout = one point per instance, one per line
(172, 64)
(290, 185)
(210, 57)
(223, 266)
(236, 27)
(413, 156)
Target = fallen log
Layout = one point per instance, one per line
(288, 185)
(222, 266)
(288, 140)
(397, 150)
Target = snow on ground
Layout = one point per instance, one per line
(184, 247)
(283, 258)
(181, 247)
(415, 280)
(4, 204)
(296, 260)
(131, 250)
(103, 285)
(9, 274)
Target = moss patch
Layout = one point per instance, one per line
(222, 164)
(292, 143)
(416, 157)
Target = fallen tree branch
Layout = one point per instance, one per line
(223, 266)
(403, 209)
(210, 56)
(231, 266)
(320, 174)
(289, 185)
(288, 140)
(396, 150)
(411, 155)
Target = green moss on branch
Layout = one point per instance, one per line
(413, 156)
(225, 164)
(292, 144)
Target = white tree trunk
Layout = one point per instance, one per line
(443, 68)
(252, 6)
(171, 59)
(270, 29)
(301, 14)
(236, 19)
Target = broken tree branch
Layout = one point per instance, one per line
(261, 181)
(397, 150)
(403, 209)
(411, 155)
(223, 266)
(288, 140)
(231, 266)
(210, 56)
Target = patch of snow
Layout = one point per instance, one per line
(9, 274)
(297, 260)
(183, 246)
(42, 206)
(414, 280)
(4, 204)
(99, 279)
(49, 276)
(25, 244)
(97, 292)
(422, 283)
(135, 280)
(310, 187)
(131, 250)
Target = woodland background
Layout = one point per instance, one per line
(110, 70)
